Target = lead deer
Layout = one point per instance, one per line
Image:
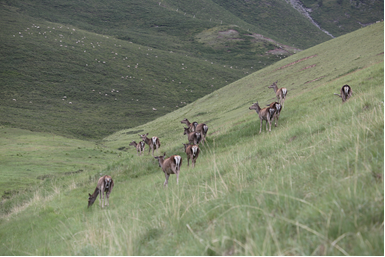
(345, 93)
(264, 114)
(277, 111)
(192, 152)
(139, 147)
(153, 143)
(193, 137)
(171, 165)
(105, 185)
(190, 125)
(279, 92)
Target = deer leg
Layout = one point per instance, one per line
(260, 127)
(166, 181)
(188, 161)
(177, 177)
(269, 125)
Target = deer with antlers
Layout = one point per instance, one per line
(345, 93)
(171, 165)
(105, 185)
(153, 143)
(279, 92)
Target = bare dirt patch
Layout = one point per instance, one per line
(295, 62)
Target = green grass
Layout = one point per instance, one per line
(312, 186)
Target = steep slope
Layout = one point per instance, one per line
(313, 186)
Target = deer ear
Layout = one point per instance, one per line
(89, 194)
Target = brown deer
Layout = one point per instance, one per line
(171, 165)
(345, 93)
(105, 185)
(190, 125)
(277, 107)
(192, 152)
(264, 114)
(279, 92)
(201, 128)
(153, 143)
(193, 137)
(139, 146)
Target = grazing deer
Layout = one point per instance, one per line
(345, 93)
(202, 129)
(153, 143)
(105, 185)
(264, 114)
(192, 152)
(139, 147)
(190, 125)
(280, 93)
(277, 110)
(193, 137)
(171, 165)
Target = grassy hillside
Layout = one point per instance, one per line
(312, 186)
(341, 16)
(113, 62)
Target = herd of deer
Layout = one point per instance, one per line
(196, 134)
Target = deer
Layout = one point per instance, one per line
(192, 152)
(279, 92)
(277, 107)
(105, 185)
(153, 143)
(201, 128)
(345, 93)
(193, 137)
(171, 165)
(264, 114)
(139, 146)
(190, 125)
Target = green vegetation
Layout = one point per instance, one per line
(341, 16)
(313, 186)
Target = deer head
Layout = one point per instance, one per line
(255, 107)
(91, 200)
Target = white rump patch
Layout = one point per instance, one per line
(346, 89)
(194, 149)
(154, 140)
(284, 91)
(177, 160)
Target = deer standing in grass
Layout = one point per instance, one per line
(193, 137)
(171, 165)
(192, 152)
(153, 143)
(190, 125)
(277, 110)
(345, 93)
(201, 128)
(105, 185)
(264, 114)
(279, 92)
(139, 147)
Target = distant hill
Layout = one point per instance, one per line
(86, 69)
